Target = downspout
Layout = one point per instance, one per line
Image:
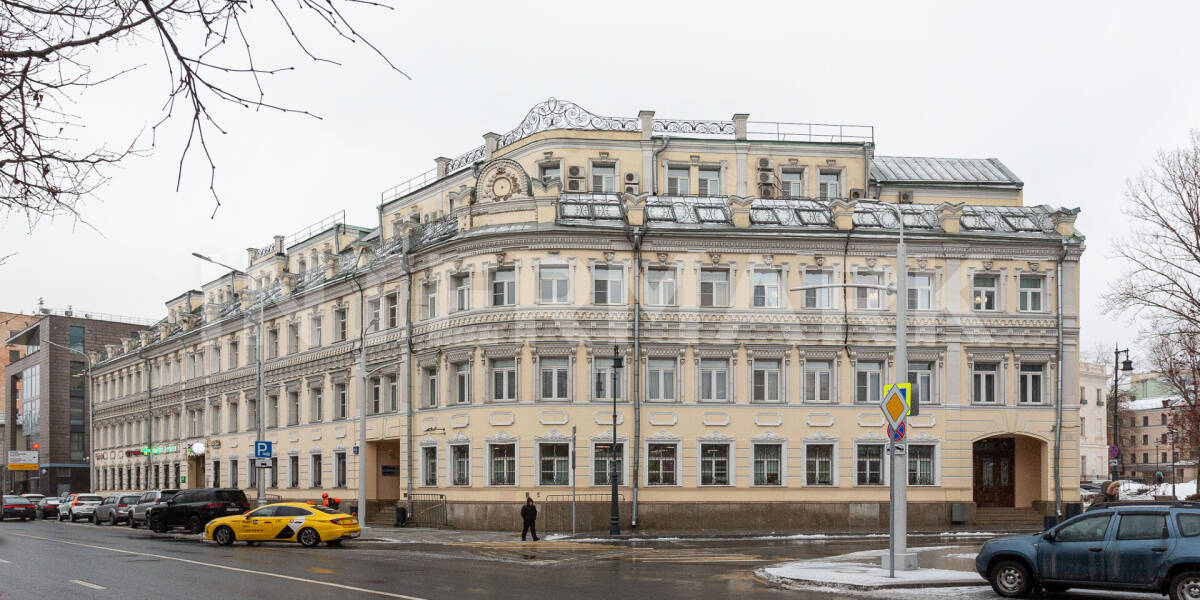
(638, 234)
(1058, 413)
(654, 171)
(408, 401)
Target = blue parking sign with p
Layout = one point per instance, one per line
(262, 449)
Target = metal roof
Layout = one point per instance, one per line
(922, 169)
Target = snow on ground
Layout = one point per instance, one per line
(816, 537)
(970, 555)
(858, 575)
(1136, 490)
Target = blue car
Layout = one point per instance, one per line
(1149, 547)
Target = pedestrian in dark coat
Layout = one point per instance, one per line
(529, 516)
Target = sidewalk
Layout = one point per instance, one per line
(941, 566)
(429, 535)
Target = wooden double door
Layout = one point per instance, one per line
(993, 472)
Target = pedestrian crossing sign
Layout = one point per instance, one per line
(895, 403)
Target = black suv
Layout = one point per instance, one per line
(193, 509)
(138, 514)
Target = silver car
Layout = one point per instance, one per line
(79, 506)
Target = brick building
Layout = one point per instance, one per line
(10, 325)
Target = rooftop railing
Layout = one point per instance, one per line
(338, 217)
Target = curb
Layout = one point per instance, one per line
(788, 583)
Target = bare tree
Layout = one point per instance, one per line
(1175, 357)
(49, 52)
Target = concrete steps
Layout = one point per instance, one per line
(1008, 518)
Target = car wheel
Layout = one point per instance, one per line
(224, 536)
(308, 537)
(95, 520)
(194, 525)
(1185, 586)
(74, 519)
(1011, 579)
(132, 522)
(157, 525)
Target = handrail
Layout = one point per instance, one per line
(315, 228)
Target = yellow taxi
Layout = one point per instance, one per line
(284, 522)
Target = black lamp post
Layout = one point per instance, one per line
(1118, 367)
(614, 519)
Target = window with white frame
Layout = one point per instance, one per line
(818, 464)
(550, 170)
(293, 407)
(462, 292)
(766, 381)
(660, 380)
(661, 461)
(818, 381)
(1030, 299)
(554, 377)
(869, 468)
(340, 404)
(502, 464)
(375, 312)
(710, 181)
(865, 297)
(920, 376)
(462, 382)
(677, 181)
(830, 184)
(429, 294)
(1031, 378)
(608, 284)
(339, 469)
(340, 328)
(985, 382)
(984, 290)
(605, 460)
(504, 380)
(553, 284)
(273, 411)
(293, 338)
(714, 380)
(233, 421)
(768, 464)
(430, 379)
(314, 331)
(920, 291)
(792, 183)
(766, 288)
(820, 297)
(215, 412)
(554, 464)
(460, 456)
(604, 178)
(603, 385)
(376, 391)
(868, 382)
(714, 287)
(393, 395)
(714, 464)
(315, 469)
(216, 360)
(391, 310)
(234, 361)
(920, 464)
(429, 466)
(316, 408)
(660, 286)
(504, 286)
(294, 471)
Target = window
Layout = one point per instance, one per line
(818, 298)
(550, 170)
(1082, 395)
(660, 286)
(339, 324)
(216, 475)
(554, 378)
(233, 356)
(1189, 524)
(461, 456)
(920, 375)
(504, 380)
(339, 469)
(273, 343)
(920, 291)
(817, 381)
(314, 332)
(555, 464)
(792, 181)
(608, 285)
(339, 401)
(677, 181)
(1031, 384)
(316, 467)
(391, 310)
(768, 464)
(818, 464)
(376, 390)
(429, 466)
(1030, 293)
(1142, 526)
(274, 471)
(429, 299)
(430, 376)
(293, 471)
(375, 311)
(462, 382)
(75, 339)
(503, 460)
(604, 178)
(660, 464)
(766, 289)
(389, 384)
(868, 382)
(765, 380)
(660, 380)
(605, 461)
(462, 292)
(233, 421)
(1163, 421)
(504, 287)
(293, 408)
(552, 285)
(868, 298)
(714, 287)
(293, 338)
(983, 291)
(829, 185)
(869, 464)
(920, 464)
(1087, 529)
(215, 413)
(603, 379)
(714, 380)
(1145, 421)
(710, 182)
(316, 405)
(714, 464)
(983, 383)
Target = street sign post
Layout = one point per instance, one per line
(262, 449)
(22, 460)
(1114, 451)
(262, 463)
(896, 434)
(895, 407)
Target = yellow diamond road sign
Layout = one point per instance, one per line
(895, 403)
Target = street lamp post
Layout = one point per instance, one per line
(614, 519)
(1118, 367)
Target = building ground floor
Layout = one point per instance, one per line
(50, 479)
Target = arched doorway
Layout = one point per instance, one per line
(1008, 471)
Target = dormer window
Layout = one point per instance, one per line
(300, 266)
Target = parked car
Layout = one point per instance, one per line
(78, 506)
(284, 522)
(137, 516)
(1137, 546)
(115, 509)
(16, 507)
(47, 508)
(34, 498)
(193, 509)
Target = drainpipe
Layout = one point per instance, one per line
(654, 179)
(638, 234)
(1058, 412)
(408, 400)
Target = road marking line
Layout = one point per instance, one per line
(88, 585)
(320, 570)
(225, 567)
(2, 561)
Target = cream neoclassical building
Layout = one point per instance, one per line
(495, 289)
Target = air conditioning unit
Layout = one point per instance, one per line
(766, 177)
(906, 196)
(631, 189)
(575, 185)
(575, 171)
(631, 177)
(766, 190)
(765, 163)
(856, 193)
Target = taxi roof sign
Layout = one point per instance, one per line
(895, 404)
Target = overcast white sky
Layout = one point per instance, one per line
(1073, 97)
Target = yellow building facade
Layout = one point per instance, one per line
(495, 290)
